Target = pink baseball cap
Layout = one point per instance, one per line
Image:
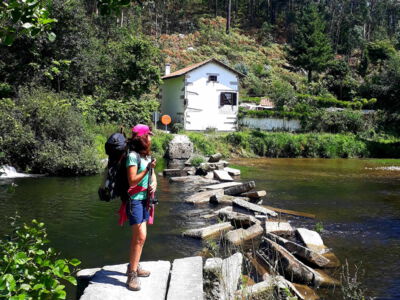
(141, 129)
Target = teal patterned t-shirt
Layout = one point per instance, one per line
(131, 160)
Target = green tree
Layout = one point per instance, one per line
(311, 48)
(23, 17)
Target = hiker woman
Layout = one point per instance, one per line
(137, 213)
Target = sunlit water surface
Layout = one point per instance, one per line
(358, 205)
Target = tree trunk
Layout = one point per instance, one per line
(228, 17)
(216, 8)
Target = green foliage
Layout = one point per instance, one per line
(41, 132)
(319, 227)
(159, 143)
(379, 51)
(269, 114)
(108, 7)
(351, 286)
(330, 101)
(176, 127)
(29, 268)
(24, 17)
(126, 112)
(338, 121)
(298, 145)
(311, 48)
(196, 161)
(202, 144)
(282, 94)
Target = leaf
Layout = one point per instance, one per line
(21, 258)
(51, 36)
(38, 286)
(71, 279)
(10, 282)
(75, 262)
(25, 287)
(9, 39)
(27, 25)
(61, 294)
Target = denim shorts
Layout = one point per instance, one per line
(137, 212)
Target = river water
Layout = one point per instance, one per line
(357, 202)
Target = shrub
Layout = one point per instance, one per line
(42, 133)
(159, 143)
(202, 144)
(196, 161)
(29, 268)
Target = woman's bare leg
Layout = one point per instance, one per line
(139, 233)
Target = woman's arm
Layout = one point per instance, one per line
(153, 186)
(133, 177)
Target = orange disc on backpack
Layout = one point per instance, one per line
(165, 119)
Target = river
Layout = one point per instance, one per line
(357, 201)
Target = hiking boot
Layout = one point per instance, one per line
(133, 282)
(140, 272)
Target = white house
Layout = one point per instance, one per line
(202, 96)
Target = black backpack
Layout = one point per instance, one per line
(116, 180)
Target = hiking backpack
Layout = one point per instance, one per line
(116, 180)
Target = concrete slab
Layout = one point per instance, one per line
(211, 230)
(240, 205)
(186, 279)
(224, 185)
(109, 283)
(222, 175)
(232, 171)
(278, 227)
(203, 197)
(311, 239)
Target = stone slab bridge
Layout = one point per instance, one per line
(181, 281)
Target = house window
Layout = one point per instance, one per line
(212, 78)
(228, 99)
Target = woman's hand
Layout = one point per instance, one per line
(153, 163)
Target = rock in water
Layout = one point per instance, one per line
(231, 272)
(222, 175)
(278, 227)
(208, 231)
(232, 171)
(239, 189)
(215, 158)
(203, 197)
(240, 236)
(174, 172)
(254, 194)
(212, 278)
(240, 205)
(186, 279)
(180, 147)
(306, 254)
(311, 239)
(224, 185)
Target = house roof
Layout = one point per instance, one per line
(198, 65)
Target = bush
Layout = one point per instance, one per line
(202, 144)
(159, 143)
(29, 268)
(337, 121)
(299, 145)
(41, 132)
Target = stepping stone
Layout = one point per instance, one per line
(231, 271)
(174, 172)
(240, 236)
(215, 158)
(239, 189)
(222, 199)
(306, 254)
(242, 206)
(193, 179)
(237, 219)
(203, 197)
(211, 230)
(278, 227)
(254, 194)
(232, 171)
(311, 239)
(109, 283)
(222, 175)
(224, 185)
(186, 279)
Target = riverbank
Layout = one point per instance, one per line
(253, 143)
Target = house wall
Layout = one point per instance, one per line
(271, 124)
(203, 108)
(173, 94)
